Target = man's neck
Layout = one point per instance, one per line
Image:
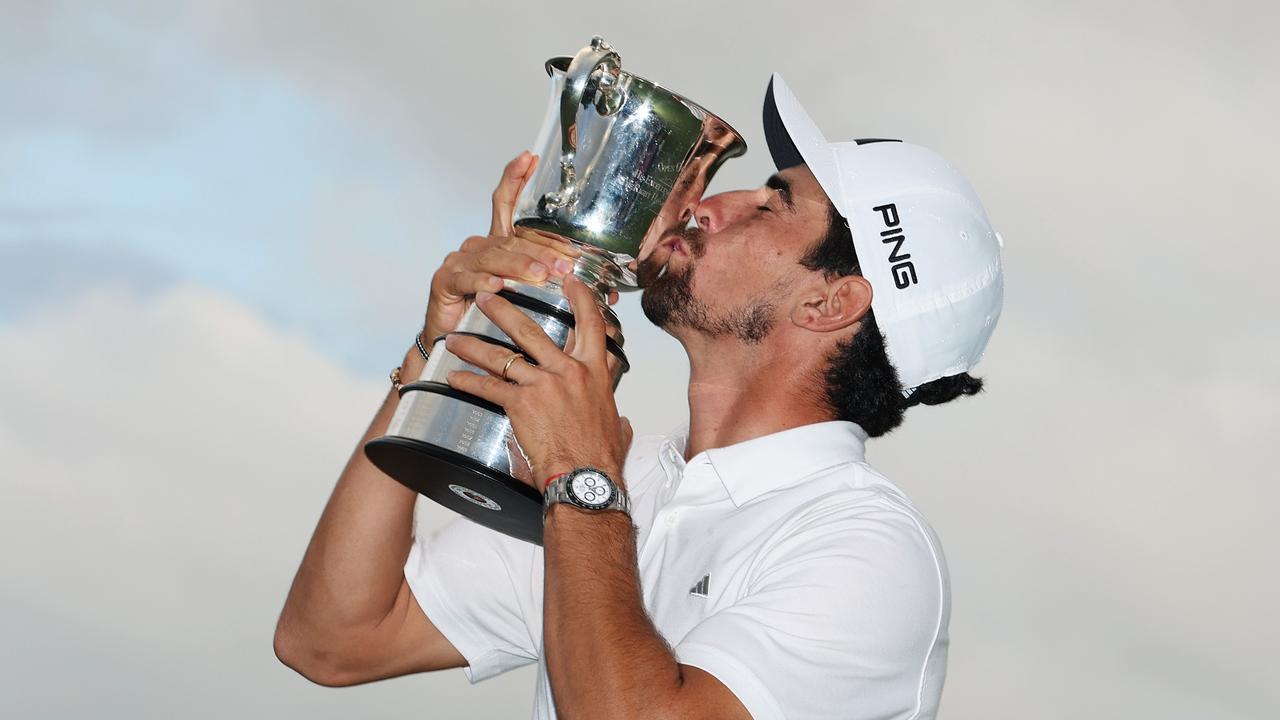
(737, 393)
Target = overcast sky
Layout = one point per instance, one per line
(218, 220)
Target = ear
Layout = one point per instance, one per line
(834, 305)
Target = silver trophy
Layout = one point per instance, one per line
(623, 162)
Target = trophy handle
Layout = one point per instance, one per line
(595, 67)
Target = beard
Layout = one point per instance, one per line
(668, 301)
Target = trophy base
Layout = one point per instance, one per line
(469, 488)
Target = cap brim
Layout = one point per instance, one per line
(781, 148)
(794, 139)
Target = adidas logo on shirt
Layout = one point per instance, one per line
(700, 588)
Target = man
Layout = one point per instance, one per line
(763, 570)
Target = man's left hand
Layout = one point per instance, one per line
(562, 409)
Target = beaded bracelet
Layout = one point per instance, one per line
(395, 374)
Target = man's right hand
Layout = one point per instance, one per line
(483, 262)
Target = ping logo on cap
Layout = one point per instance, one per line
(904, 273)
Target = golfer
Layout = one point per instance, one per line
(749, 565)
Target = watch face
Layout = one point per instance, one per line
(591, 489)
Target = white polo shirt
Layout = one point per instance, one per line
(785, 566)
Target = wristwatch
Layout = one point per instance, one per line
(586, 488)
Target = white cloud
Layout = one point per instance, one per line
(164, 462)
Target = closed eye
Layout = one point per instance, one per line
(783, 188)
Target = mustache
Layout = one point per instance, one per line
(652, 269)
(695, 238)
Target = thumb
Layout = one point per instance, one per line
(514, 176)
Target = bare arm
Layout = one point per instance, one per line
(350, 616)
(604, 656)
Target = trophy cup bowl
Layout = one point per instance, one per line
(623, 163)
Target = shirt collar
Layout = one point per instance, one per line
(671, 452)
(754, 467)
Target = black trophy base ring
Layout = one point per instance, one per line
(461, 484)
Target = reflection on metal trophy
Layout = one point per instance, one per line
(623, 160)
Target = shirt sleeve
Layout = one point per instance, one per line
(476, 586)
(844, 617)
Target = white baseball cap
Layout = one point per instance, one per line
(922, 238)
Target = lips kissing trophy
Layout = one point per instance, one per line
(632, 157)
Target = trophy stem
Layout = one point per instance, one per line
(603, 271)
(599, 268)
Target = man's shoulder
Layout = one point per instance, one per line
(848, 489)
(853, 505)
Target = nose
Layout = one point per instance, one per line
(717, 211)
(703, 212)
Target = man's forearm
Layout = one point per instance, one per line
(604, 656)
(354, 565)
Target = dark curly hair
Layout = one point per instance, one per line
(861, 385)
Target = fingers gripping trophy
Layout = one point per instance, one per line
(623, 161)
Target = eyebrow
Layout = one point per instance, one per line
(783, 187)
